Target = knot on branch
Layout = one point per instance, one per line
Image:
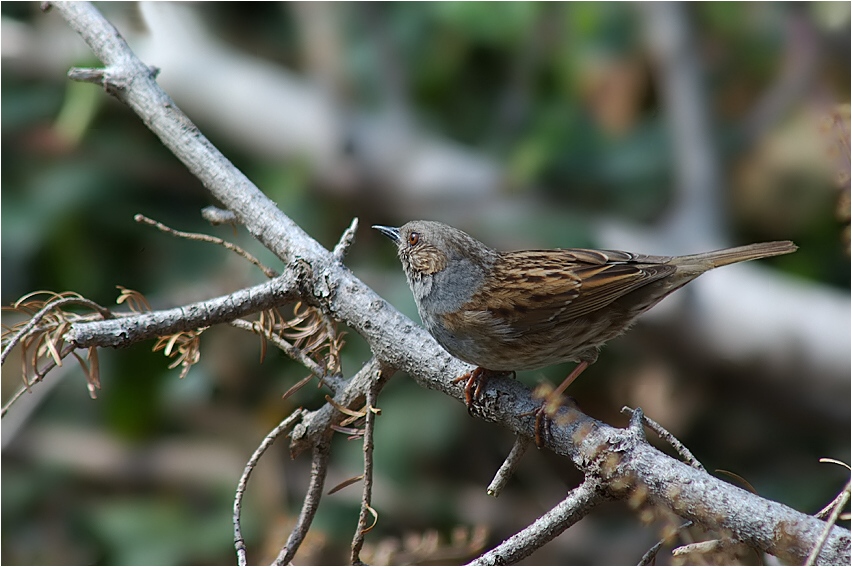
(113, 81)
(314, 284)
(303, 272)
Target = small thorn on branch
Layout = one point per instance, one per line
(217, 216)
(87, 75)
(636, 418)
(346, 241)
(508, 467)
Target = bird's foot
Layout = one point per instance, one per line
(553, 400)
(546, 412)
(476, 380)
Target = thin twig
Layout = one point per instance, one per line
(829, 524)
(105, 313)
(18, 394)
(829, 508)
(289, 349)
(651, 554)
(571, 510)
(366, 499)
(37, 377)
(224, 309)
(39, 374)
(239, 542)
(269, 272)
(345, 242)
(826, 511)
(319, 469)
(663, 434)
(508, 467)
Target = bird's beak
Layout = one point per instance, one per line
(389, 231)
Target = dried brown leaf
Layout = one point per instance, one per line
(135, 300)
(343, 409)
(375, 519)
(294, 388)
(345, 483)
(746, 484)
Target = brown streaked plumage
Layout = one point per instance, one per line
(507, 311)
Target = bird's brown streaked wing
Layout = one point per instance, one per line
(528, 286)
(602, 286)
(560, 285)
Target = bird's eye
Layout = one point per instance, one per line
(413, 238)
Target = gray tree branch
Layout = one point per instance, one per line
(131, 329)
(579, 502)
(617, 463)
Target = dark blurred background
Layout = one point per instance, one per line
(658, 128)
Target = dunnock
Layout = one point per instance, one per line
(507, 311)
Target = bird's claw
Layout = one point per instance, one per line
(476, 379)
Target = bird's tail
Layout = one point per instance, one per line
(727, 256)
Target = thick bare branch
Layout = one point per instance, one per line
(125, 331)
(314, 425)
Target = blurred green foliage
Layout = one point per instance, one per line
(516, 81)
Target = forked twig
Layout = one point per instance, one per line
(827, 510)
(239, 542)
(366, 499)
(829, 523)
(663, 434)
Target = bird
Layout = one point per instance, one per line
(523, 310)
